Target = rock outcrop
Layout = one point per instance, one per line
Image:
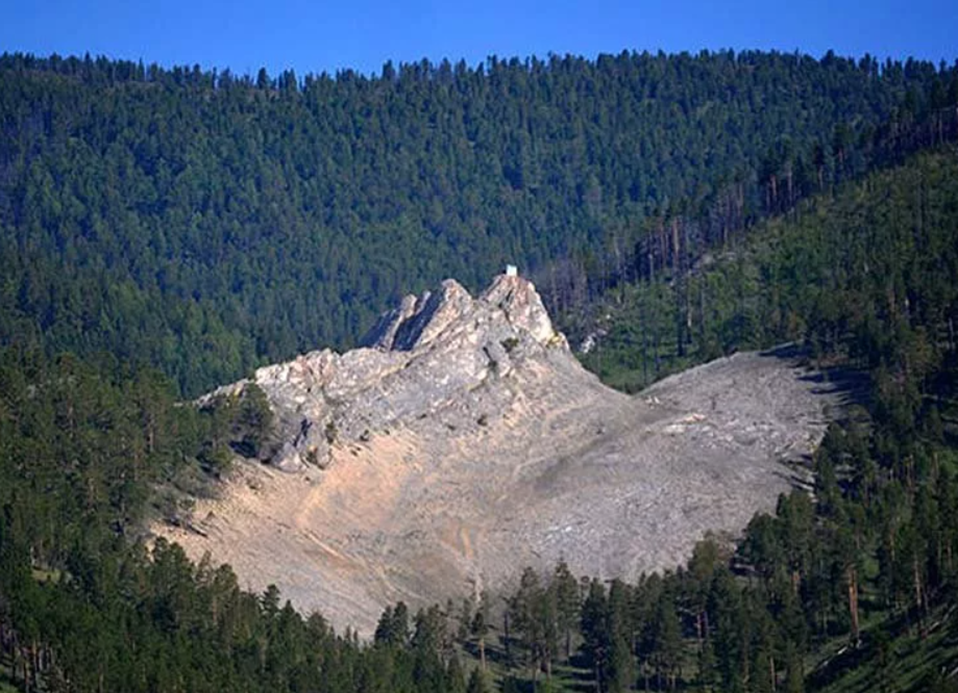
(419, 358)
(465, 441)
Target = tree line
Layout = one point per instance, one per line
(203, 223)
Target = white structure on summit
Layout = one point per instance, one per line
(512, 271)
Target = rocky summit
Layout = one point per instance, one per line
(464, 441)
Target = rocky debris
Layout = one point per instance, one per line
(465, 441)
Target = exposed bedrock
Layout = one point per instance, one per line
(465, 441)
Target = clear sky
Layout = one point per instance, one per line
(362, 34)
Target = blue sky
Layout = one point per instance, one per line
(362, 34)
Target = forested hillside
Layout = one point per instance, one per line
(202, 222)
(864, 275)
(853, 588)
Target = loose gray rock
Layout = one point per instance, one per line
(464, 441)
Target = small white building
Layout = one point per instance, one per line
(512, 271)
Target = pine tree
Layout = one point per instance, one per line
(567, 603)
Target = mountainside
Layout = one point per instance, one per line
(467, 441)
(850, 589)
(204, 223)
(867, 273)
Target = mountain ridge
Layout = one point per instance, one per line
(466, 440)
(206, 224)
(506, 322)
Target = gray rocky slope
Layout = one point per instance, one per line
(465, 441)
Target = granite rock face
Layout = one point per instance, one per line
(464, 441)
(418, 358)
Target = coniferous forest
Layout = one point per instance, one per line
(203, 223)
(164, 231)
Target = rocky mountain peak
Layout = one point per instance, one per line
(419, 321)
(428, 352)
(520, 302)
(464, 441)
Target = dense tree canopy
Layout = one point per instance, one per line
(175, 227)
(201, 222)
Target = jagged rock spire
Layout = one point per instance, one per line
(424, 354)
(418, 321)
